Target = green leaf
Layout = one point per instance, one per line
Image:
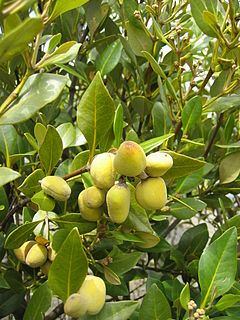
(10, 301)
(129, 7)
(39, 303)
(55, 40)
(110, 57)
(62, 6)
(211, 20)
(222, 104)
(186, 208)
(39, 90)
(191, 113)
(95, 15)
(229, 168)
(111, 276)
(7, 175)
(227, 301)
(218, 262)
(31, 140)
(118, 125)
(95, 113)
(72, 220)
(8, 137)
(161, 119)
(185, 296)
(44, 202)
(69, 268)
(51, 149)
(16, 41)
(65, 53)
(19, 235)
(138, 39)
(153, 143)
(67, 133)
(40, 132)
(155, 305)
(123, 262)
(182, 165)
(4, 204)
(31, 185)
(120, 310)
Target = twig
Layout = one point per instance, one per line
(55, 312)
(205, 81)
(213, 136)
(77, 172)
(172, 226)
(179, 126)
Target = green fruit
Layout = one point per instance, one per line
(151, 193)
(51, 253)
(93, 290)
(158, 163)
(46, 267)
(36, 256)
(150, 240)
(89, 214)
(22, 252)
(118, 202)
(93, 197)
(56, 187)
(130, 159)
(102, 171)
(75, 305)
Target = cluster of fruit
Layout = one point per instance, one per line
(89, 299)
(36, 255)
(128, 161)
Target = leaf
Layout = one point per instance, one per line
(7, 175)
(40, 132)
(39, 303)
(67, 133)
(222, 104)
(10, 301)
(118, 125)
(95, 15)
(51, 149)
(161, 119)
(191, 113)
(138, 39)
(153, 143)
(44, 202)
(227, 301)
(129, 7)
(185, 296)
(31, 185)
(39, 90)
(217, 266)
(155, 305)
(19, 235)
(62, 6)
(120, 310)
(95, 113)
(123, 262)
(110, 57)
(16, 41)
(69, 268)
(182, 165)
(65, 53)
(111, 276)
(55, 40)
(187, 208)
(8, 137)
(229, 168)
(211, 20)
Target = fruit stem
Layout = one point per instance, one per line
(75, 173)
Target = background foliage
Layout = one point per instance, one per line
(79, 77)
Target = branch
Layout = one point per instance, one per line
(55, 312)
(205, 81)
(213, 136)
(77, 172)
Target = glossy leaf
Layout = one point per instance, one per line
(51, 149)
(185, 296)
(153, 143)
(111, 276)
(69, 268)
(44, 202)
(229, 168)
(72, 220)
(118, 125)
(186, 208)
(62, 6)
(67, 133)
(191, 113)
(161, 119)
(138, 39)
(39, 90)
(8, 137)
(7, 175)
(31, 184)
(110, 57)
(39, 303)
(95, 15)
(218, 262)
(95, 113)
(227, 301)
(222, 104)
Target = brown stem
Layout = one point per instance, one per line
(205, 81)
(55, 313)
(173, 225)
(213, 136)
(77, 172)
(179, 126)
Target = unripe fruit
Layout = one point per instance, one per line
(89, 214)
(151, 193)
(46, 267)
(93, 290)
(51, 253)
(75, 305)
(36, 256)
(56, 187)
(102, 171)
(22, 251)
(130, 159)
(158, 163)
(118, 202)
(93, 197)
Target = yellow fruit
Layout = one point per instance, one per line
(75, 305)
(56, 187)
(102, 170)
(36, 256)
(93, 197)
(150, 240)
(89, 214)
(93, 290)
(46, 267)
(22, 251)
(118, 202)
(158, 163)
(130, 159)
(51, 253)
(151, 193)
